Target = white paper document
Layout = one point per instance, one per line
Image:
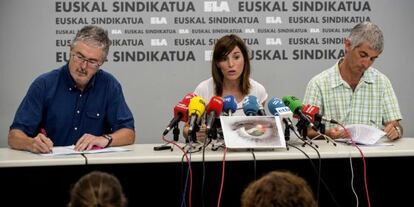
(69, 150)
(363, 134)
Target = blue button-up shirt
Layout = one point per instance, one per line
(66, 113)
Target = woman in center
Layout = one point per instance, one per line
(230, 70)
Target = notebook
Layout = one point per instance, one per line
(252, 132)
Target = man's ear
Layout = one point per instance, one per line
(348, 45)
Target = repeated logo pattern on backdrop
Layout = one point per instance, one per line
(185, 30)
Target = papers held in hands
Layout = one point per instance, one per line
(363, 134)
(70, 150)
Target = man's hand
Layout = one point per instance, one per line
(41, 144)
(392, 131)
(337, 132)
(88, 141)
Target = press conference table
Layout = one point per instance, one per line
(158, 177)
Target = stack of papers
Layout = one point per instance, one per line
(69, 150)
(363, 134)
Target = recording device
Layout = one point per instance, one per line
(214, 108)
(186, 99)
(229, 105)
(162, 147)
(295, 106)
(312, 112)
(180, 113)
(278, 108)
(196, 110)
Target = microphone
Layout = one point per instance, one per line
(214, 108)
(261, 111)
(229, 105)
(250, 105)
(295, 106)
(312, 112)
(180, 112)
(196, 109)
(187, 98)
(278, 108)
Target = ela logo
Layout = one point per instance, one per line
(158, 20)
(214, 6)
(159, 42)
(273, 20)
(183, 31)
(273, 41)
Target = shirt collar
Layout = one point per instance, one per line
(71, 83)
(336, 79)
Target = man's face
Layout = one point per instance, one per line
(360, 58)
(84, 62)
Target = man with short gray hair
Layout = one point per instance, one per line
(353, 92)
(77, 104)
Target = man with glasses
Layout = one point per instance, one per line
(353, 92)
(77, 104)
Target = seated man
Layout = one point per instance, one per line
(77, 104)
(353, 92)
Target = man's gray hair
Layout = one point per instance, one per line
(94, 36)
(367, 32)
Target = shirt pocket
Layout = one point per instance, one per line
(94, 123)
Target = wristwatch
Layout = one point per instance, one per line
(109, 138)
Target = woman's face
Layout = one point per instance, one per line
(232, 65)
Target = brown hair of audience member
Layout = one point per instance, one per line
(278, 189)
(97, 189)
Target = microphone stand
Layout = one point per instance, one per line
(322, 129)
(192, 138)
(302, 126)
(176, 132)
(166, 146)
(287, 133)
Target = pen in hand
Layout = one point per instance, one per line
(43, 131)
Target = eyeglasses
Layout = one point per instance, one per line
(80, 59)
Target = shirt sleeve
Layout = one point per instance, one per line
(29, 114)
(262, 93)
(390, 103)
(313, 94)
(203, 90)
(119, 114)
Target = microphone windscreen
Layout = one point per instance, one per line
(293, 103)
(230, 104)
(274, 105)
(310, 111)
(197, 106)
(250, 105)
(215, 104)
(181, 109)
(187, 98)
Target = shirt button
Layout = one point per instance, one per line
(97, 114)
(76, 128)
(78, 111)
(70, 89)
(80, 95)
